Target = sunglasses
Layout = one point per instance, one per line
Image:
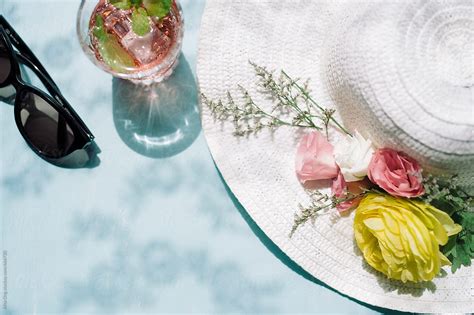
(48, 123)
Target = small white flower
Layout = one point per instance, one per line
(353, 155)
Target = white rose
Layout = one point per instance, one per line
(353, 155)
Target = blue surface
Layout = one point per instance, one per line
(152, 229)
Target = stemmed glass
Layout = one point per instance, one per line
(132, 43)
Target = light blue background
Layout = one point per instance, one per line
(139, 233)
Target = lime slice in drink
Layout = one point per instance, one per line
(112, 53)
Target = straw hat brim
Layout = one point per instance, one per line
(260, 169)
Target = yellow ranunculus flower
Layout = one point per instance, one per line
(401, 237)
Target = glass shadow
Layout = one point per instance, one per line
(159, 120)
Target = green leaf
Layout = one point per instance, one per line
(459, 249)
(121, 4)
(468, 220)
(455, 266)
(136, 3)
(99, 30)
(140, 22)
(447, 194)
(450, 248)
(463, 256)
(158, 8)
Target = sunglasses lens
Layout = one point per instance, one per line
(5, 63)
(45, 128)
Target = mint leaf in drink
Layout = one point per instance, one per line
(136, 3)
(140, 22)
(121, 4)
(99, 30)
(158, 8)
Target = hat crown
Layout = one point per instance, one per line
(403, 75)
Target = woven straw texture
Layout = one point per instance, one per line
(260, 169)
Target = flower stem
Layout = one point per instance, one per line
(308, 97)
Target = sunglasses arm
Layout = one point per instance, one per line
(25, 51)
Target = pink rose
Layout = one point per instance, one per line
(340, 190)
(396, 173)
(315, 158)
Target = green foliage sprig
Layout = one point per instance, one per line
(321, 202)
(292, 106)
(447, 194)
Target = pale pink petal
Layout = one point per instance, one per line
(315, 158)
(339, 186)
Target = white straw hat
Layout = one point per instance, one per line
(400, 72)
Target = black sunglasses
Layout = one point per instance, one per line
(48, 122)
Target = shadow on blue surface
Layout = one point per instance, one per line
(160, 120)
(275, 250)
(139, 272)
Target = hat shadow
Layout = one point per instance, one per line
(160, 120)
(275, 250)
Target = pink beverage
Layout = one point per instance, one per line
(134, 40)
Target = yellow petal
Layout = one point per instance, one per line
(374, 224)
(401, 237)
(446, 221)
(444, 260)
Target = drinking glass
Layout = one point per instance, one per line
(111, 40)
